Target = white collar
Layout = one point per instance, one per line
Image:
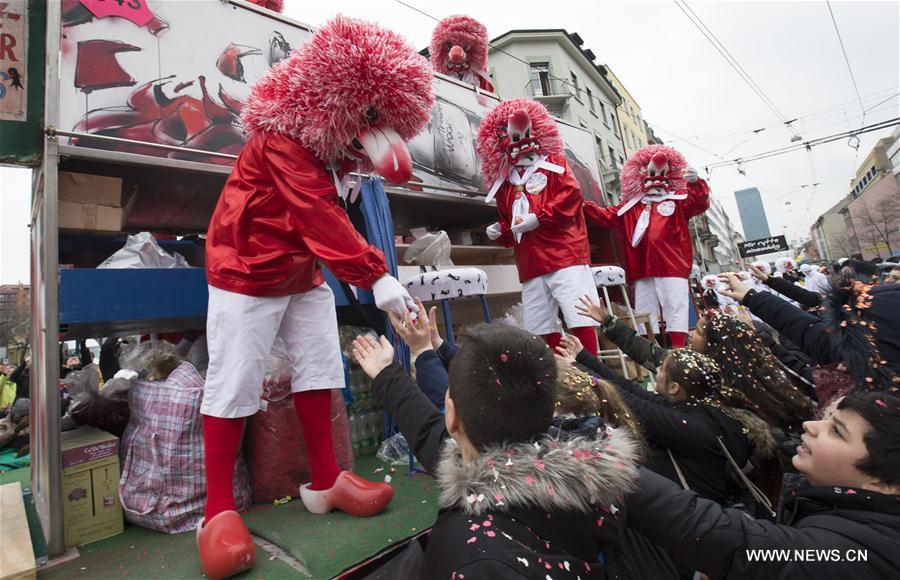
(514, 178)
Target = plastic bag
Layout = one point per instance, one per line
(152, 360)
(86, 380)
(142, 251)
(394, 450)
(275, 445)
(431, 249)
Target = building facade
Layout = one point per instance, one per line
(872, 217)
(829, 233)
(553, 67)
(726, 254)
(633, 128)
(753, 214)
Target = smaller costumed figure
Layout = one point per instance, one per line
(459, 50)
(660, 193)
(540, 207)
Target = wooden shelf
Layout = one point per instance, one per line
(472, 255)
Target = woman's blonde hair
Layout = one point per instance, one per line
(580, 394)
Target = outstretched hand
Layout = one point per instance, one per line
(372, 355)
(589, 308)
(758, 273)
(414, 333)
(568, 349)
(736, 290)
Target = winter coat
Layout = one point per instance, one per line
(528, 510)
(431, 372)
(277, 218)
(813, 335)
(791, 291)
(22, 377)
(642, 351)
(689, 430)
(833, 522)
(665, 250)
(560, 239)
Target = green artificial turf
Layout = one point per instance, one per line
(324, 545)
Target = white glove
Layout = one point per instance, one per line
(691, 174)
(529, 222)
(391, 296)
(493, 231)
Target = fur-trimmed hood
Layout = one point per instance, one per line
(325, 93)
(577, 475)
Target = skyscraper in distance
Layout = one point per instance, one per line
(753, 214)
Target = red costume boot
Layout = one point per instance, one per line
(223, 542)
(588, 337)
(330, 488)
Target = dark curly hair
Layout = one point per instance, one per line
(749, 367)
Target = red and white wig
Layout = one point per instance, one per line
(459, 44)
(652, 167)
(273, 5)
(496, 141)
(350, 78)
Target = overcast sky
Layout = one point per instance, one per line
(684, 87)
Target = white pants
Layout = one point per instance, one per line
(543, 297)
(672, 293)
(240, 332)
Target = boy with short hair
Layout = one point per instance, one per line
(843, 521)
(514, 502)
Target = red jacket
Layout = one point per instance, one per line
(277, 218)
(665, 250)
(561, 238)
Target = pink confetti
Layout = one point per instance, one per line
(486, 523)
(587, 567)
(503, 357)
(490, 517)
(851, 491)
(471, 540)
(490, 534)
(880, 403)
(539, 464)
(499, 383)
(499, 497)
(529, 480)
(561, 567)
(600, 522)
(550, 491)
(548, 566)
(474, 527)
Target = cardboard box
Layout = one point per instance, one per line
(91, 508)
(83, 188)
(91, 203)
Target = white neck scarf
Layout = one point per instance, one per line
(648, 199)
(515, 178)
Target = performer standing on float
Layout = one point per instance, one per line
(660, 193)
(459, 50)
(540, 208)
(347, 99)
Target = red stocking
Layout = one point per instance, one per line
(314, 410)
(553, 339)
(677, 339)
(588, 337)
(221, 439)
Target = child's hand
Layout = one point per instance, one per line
(758, 273)
(414, 333)
(436, 340)
(588, 308)
(564, 355)
(572, 345)
(736, 290)
(373, 356)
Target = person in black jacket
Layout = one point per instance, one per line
(842, 521)
(686, 418)
(22, 377)
(432, 353)
(788, 289)
(515, 503)
(860, 330)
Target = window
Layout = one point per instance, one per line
(612, 158)
(590, 98)
(539, 76)
(615, 126)
(575, 85)
(599, 143)
(603, 114)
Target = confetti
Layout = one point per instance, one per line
(486, 523)
(377, 471)
(530, 480)
(490, 534)
(474, 527)
(880, 403)
(387, 478)
(503, 357)
(472, 540)
(523, 560)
